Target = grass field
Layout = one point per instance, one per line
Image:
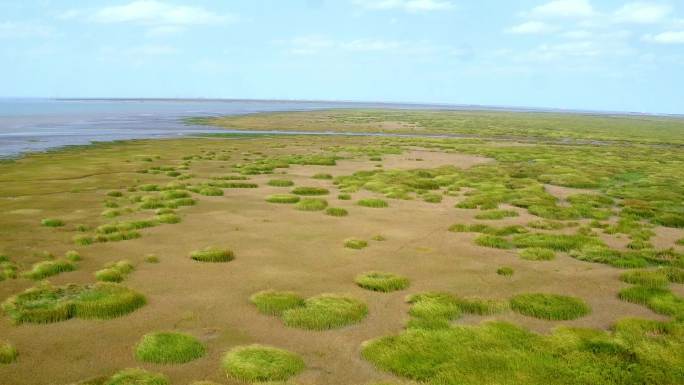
(533, 249)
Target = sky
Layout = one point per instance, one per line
(615, 55)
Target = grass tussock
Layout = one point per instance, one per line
(8, 269)
(137, 376)
(322, 175)
(47, 303)
(505, 271)
(304, 190)
(169, 348)
(8, 353)
(73, 256)
(558, 242)
(283, 198)
(373, 203)
(347, 197)
(336, 212)
(537, 254)
(433, 310)
(212, 254)
(114, 272)
(648, 278)
(503, 353)
(496, 214)
(658, 299)
(280, 183)
(52, 222)
(381, 281)
(273, 302)
(356, 244)
(46, 269)
(493, 241)
(258, 363)
(549, 306)
(326, 311)
(311, 204)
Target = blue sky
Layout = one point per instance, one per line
(585, 54)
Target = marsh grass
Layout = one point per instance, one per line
(496, 214)
(169, 219)
(46, 269)
(303, 190)
(273, 302)
(210, 191)
(8, 353)
(114, 272)
(259, 363)
(336, 212)
(283, 198)
(212, 254)
(311, 204)
(137, 376)
(379, 238)
(481, 306)
(493, 241)
(558, 242)
(52, 222)
(356, 244)
(169, 348)
(347, 197)
(433, 310)
(373, 203)
(549, 306)
(647, 278)
(432, 198)
(326, 311)
(83, 240)
(73, 256)
(234, 184)
(505, 271)
(8, 269)
(537, 254)
(280, 183)
(151, 258)
(381, 281)
(46, 303)
(323, 176)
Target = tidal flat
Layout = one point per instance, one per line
(529, 248)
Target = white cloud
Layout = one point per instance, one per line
(12, 30)
(150, 13)
(531, 28)
(317, 44)
(406, 5)
(565, 8)
(668, 37)
(642, 13)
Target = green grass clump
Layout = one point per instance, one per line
(503, 353)
(303, 190)
(433, 310)
(46, 269)
(311, 204)
(8, 353)
(149, 187)
(168, 218)
(8, 269)
(493, 241)
(282, 198)
(680, 242)
(114, 272)
(152, 259)
(258, 363)
(169, 348)
(83, 240)
(537, 254)
(497, 214)
(137, 376)
(549, 306)
(354, 243)
(233, 184)
(344, 197)
(647, 278)
(114, 194)
(379, 238)
(558, 242)
(212, 254)
(480, 306)
(52, 222)
(322, 176)
(432, 198)
(326, 311)
(280, 183)
(372, 202)
(505, 271)
(381, 281)
(273, 302)
(73, 256)
(46, 303)
(210, 191)
(336, 212)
